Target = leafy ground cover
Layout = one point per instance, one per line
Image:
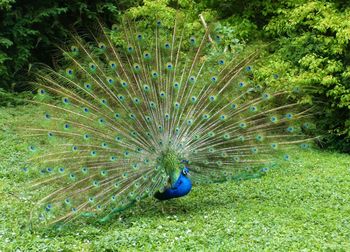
(302, 205)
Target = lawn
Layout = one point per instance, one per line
(302, 205)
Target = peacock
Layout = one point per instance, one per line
(146, 109)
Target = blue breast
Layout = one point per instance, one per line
(182, 187)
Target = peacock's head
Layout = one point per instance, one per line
(185, 171)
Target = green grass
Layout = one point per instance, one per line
(303, 205)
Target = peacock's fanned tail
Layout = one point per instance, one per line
(129, 104)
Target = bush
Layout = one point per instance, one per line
(312, 52)
(309, 50)
(30, 29)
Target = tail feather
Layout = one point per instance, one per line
(133, 94)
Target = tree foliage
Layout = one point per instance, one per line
(30, 29)
(313, 53)
(309, 51)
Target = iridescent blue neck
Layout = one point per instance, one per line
(182, 187)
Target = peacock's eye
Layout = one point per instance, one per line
(185, 171)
